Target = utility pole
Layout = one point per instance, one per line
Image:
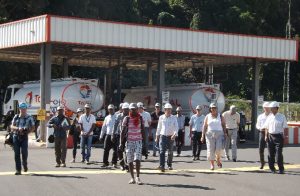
(286, 84)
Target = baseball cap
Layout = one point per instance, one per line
(132, 106)
(23, 105)
(110, 106)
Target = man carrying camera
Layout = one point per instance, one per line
(22, 124)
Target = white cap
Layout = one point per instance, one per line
(274, 104)
(132, 106)
(87, 105)
(198, 107)
(232, 107)
(110, 106)
(140, 105)
(212, 105)
(157, 105)
(60, 107)
(266, 104)
(168, 106)
(125, 105)
(79, 110)
(121, 104)
(178, 108)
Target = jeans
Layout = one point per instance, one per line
(86, 143)
(197, 145)
(20, 146)
(60, 144)
(262, 146)
(155, 146)
(165, 143)
(275, 145)
(108, 144)
(76, 140)
(180, 141)
(232, 137)
(214, 143)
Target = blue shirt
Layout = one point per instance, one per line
(196, 122)
(25, 122)
(62, 127)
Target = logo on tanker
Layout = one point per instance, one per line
(85, 91)
(28, 98)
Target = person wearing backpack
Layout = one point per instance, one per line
(22, 124)
(134, 135)
(61, 124)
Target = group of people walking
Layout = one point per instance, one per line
(127, 133)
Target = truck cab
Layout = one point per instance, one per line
(9, 103)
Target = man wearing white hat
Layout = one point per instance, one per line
(275, 126)
(196, 126)
(181, 121)
(232, 121)
(154, 121)
(147, 121)
(261, 119)
(108, 131)
(87, 123)
(61, 124)
(167, 130)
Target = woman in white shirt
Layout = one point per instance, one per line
(214, 131)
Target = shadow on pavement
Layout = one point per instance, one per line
(169, 174)
(58, 176)
(184, 186)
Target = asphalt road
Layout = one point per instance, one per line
(188, 177)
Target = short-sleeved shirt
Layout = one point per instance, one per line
(87, 122)
(196, 122)
(134, 132)
(231, 120)
(276, 123)
(261, 119)
(25, 122)
(118, 123)
(156, 118)
(62, 127)
(108, 125)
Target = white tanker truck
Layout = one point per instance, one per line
(72, 93)
(188, 96)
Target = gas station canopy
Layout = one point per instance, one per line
(88, 42)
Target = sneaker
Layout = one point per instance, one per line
(138, 181)
(234, 160)
(18, 173)
(104, 165)
(198, 158)
(154, 154)
(273, 171)
(131, 181)
(281, 172)
(82, 161)
(87, 162)
(161, 169)
(63, 165)
(115, 166)
(25, 169)
(72, 161)
(194, 159)
(57, 165)
(170, 168)
(227, 157)
(177, 155)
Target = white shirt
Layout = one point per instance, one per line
(214, 124)
(180, 121)
(108, 125)
(231, 120)
(147, 118)
(196, 122)
(167, 126)
(261, 119)
(87, 122)
(275, 123)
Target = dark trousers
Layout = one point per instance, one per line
(197, 145)
(165, 143)
(179, 141)
(20, 146)
(275, 145)
(76, 141)
(262, 146)
(60, 144)
(108, 144)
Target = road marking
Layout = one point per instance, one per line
(108, 171)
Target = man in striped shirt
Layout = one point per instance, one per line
(133, 131)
